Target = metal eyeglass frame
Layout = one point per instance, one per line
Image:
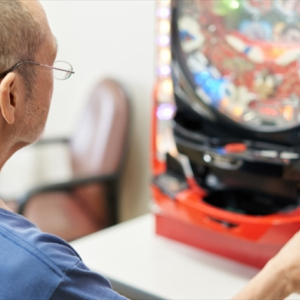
(70, 72)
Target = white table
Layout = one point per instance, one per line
(142, 265)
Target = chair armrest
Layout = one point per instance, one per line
(63, 186)
(53, 140)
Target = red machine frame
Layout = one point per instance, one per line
(252, 240)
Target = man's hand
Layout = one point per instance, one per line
(279, 278)
(288, 260)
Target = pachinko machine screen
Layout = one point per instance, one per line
(244, 57)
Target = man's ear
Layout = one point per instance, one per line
(8, 97)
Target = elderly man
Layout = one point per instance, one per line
(35, 265)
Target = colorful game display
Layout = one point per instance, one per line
(244, 57)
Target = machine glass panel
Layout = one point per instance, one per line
(244, 58)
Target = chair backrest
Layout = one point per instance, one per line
(98, 143)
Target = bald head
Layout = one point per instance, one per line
(22, 32)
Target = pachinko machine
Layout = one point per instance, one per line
(226, 125)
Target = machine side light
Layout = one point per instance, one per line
(165, 111)
(163, 40)
(165, 56)
(165, 107)
(163, 12)
(164, 26)
(164, 3)
(164, 70)
(167, 86)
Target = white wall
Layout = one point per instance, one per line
(107, 38)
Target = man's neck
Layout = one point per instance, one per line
(4, 206)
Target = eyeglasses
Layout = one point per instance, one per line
(61, 69)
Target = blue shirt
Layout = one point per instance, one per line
(35, 266)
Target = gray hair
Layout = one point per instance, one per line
(20, 39)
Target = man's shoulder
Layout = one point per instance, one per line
(29, 256)
(43, 266)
